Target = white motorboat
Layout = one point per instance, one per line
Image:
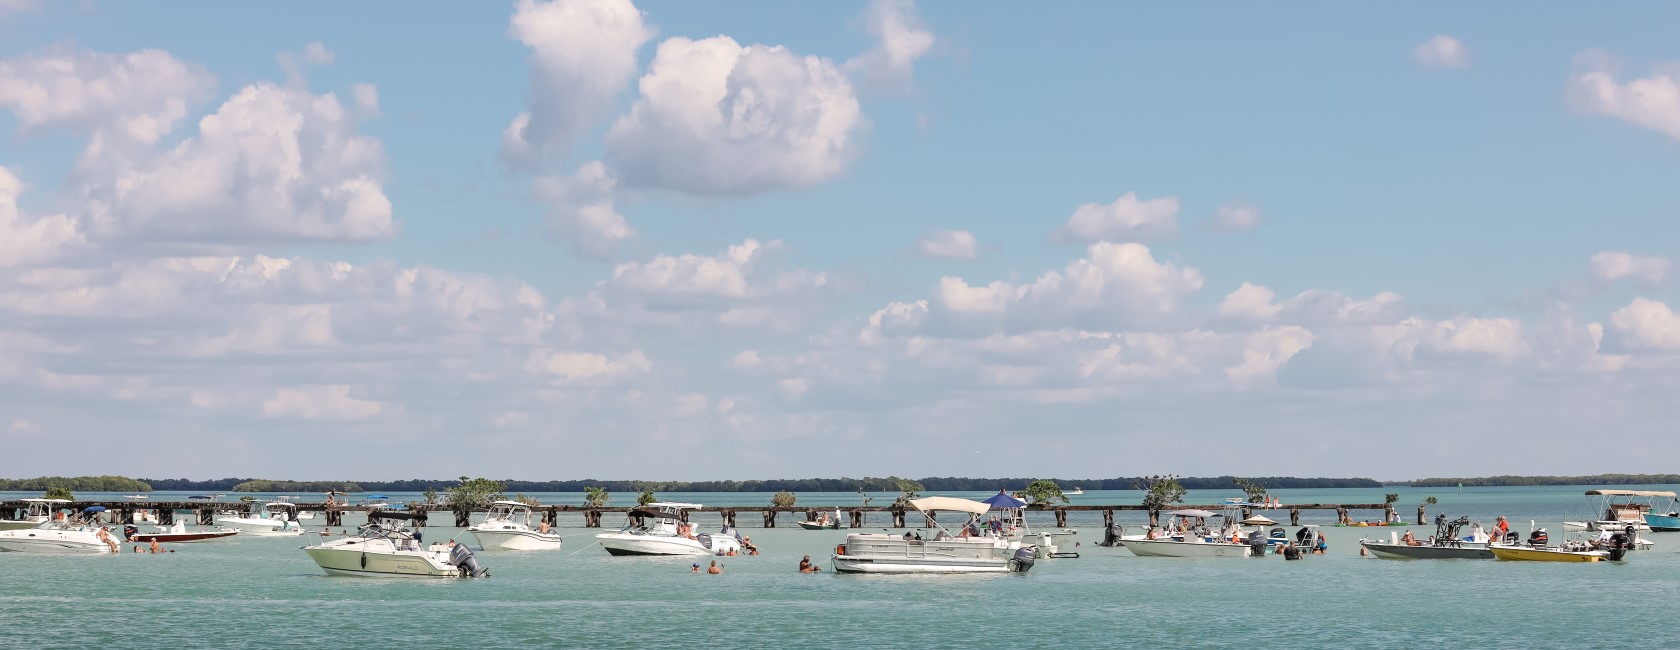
(176, 534)
(276, 519)
(1622, 508)
(665, 533)
(508, 527)
(1188, 538)
(35, 511)
(945, 553)
(60, 538)
(390, 550)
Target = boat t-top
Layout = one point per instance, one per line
(1622, 508)
(664, 532)
(508, 527)
(967, 551)
(276, 518)
(34, 512)
(388, 549)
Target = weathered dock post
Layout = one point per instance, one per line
(769, 518)
(898, 517)
(1421, 515)
(1342, 515)
(810, 515)
(552, 516)
(857, 518)
(592, 518)
(463, 518)
(206, 516)
(335, 517)
(166, 516)
(1294, 516)
(1061, 517)
(1154, 517)
(729, 518)
(1108, 519)
(419, 517)
(125, 516)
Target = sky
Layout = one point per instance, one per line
(691, 241)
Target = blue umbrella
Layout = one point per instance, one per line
(1001, 501)
(94, 509)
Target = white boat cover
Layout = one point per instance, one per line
(925, 504)
(1629, 493)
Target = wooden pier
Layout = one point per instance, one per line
(205, 512)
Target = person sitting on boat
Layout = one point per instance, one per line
(1408, 540)
(747, 544)
(1501, 528)
(542, 528)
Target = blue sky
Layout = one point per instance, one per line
(877, 238)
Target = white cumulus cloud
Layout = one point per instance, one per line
(1609, 266)
(900, 40)
(1652, 102)
(1236, 217)
(583, 54)
(1442, 51)
(140, 96)
(1126, 219)
(716, 118)
(581, 209)
(1643, 325)
(948, 245)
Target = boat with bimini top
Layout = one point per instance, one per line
(389, 549)
(664, 531)
(968, 551)
(508, 527)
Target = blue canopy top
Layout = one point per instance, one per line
(377, 496)
(94, 509)
(1002, 501)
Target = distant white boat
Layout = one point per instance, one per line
(508, 526)
(1076, 491)
(277, 518)
(668, 534)
(136, 497)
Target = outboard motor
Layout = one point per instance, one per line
(1512, 538)
(1111, 536)
(462, 558)
(1023, 559)
(1537, 538)
(1618, 546)
(129, 531)
(705, 540)
(1256, 543)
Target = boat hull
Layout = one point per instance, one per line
(632, 544)
(1465, 551)
(1545, 555)
(515, 540)
(176, 538)
(851, 564)
(54, 542)
(1663, 523)
(352, 562)
(811, 525)
(19, 524)
(261, 527)
(874, 553)
(1170, 548)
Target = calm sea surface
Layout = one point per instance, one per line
(265, 593)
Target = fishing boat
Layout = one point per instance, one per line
(175, 534)
(963, 552)
(34, 512)
(1446, 544)
(1546, 553)
(1621, 508)
(387, 549)
(1669, 520)
(663, 531)
(275, 519)
(508, 527)
(1188, 537)
(824, 522)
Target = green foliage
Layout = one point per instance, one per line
(59, 492)
(431, 495)
(1160, 492)
(907, 490)
(596, 497)
(783, 499)
(1256, 492)
(77, 483)
(646, 497)
(261, 485)
(1429, 501)
(530, 501)
(474, 494)
(1042, 492)
(1390, 498)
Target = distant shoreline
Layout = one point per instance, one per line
(866, 484)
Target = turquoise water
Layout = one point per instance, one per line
(265, 593)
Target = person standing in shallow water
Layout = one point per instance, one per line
(714, 569)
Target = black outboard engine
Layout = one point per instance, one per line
(129, 531)
(1111, 536)
(1618, 546)
(462, 558)
(1023, 559)
(1256, 543)
(1537, 538)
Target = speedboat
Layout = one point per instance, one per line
(175, 534)
(1189, 539)
(388, 549)
(824, 522)
(667, 534)
(35, 511)
(1076, 491)
(1547, 553)
(61, 538)
(1444, 545)
(964, 552)
(276, 519)
(509, 527)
